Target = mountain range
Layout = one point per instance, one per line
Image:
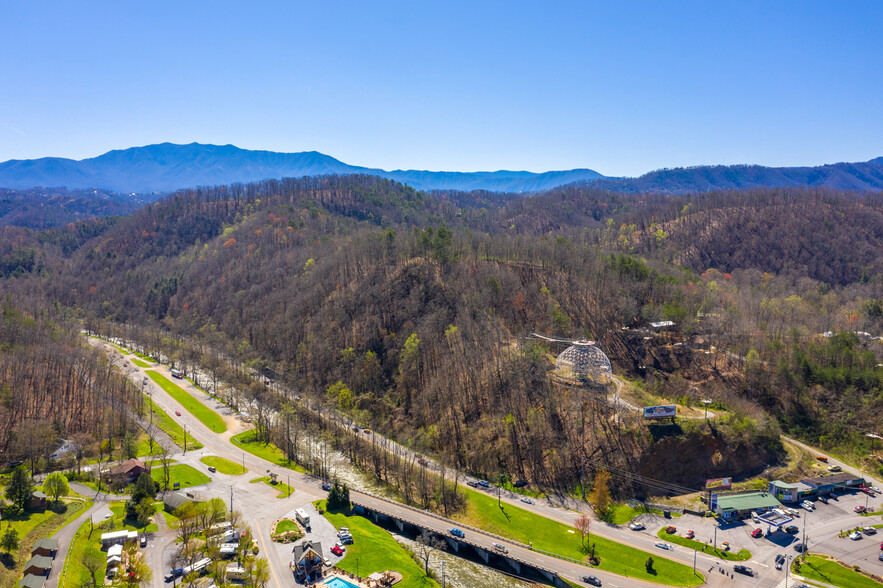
(166, 167)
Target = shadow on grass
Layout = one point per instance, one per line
(8, 561)
(505, 514)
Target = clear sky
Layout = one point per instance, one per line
(619, 87)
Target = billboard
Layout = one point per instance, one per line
(718, 483)
(713, 504)
(660, 412)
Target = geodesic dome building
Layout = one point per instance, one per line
(583, 364)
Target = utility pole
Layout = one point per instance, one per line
(185, 439)
(231, 498)
(289, 486)
(694, 561)
(803, 551)
(715, 538)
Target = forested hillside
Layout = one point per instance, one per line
(410, 312)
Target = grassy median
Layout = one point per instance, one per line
(740, 555)
(482, 511)
(830, 571)
(225, 466)
(247, 442)
(207, 416)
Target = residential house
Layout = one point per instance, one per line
(46, 547)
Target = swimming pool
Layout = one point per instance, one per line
(337, 582)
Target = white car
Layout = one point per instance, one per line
(636, 527)
(855, 535)
(807, 505)
(664, 546)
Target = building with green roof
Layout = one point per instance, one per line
(740, 506)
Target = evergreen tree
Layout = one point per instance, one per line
(9, 541)
(21, 488)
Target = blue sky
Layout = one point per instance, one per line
(619, 87)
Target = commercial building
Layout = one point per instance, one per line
(791, 493)
(839, 483)
(740, 506)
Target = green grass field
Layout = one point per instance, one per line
(516, 523)
(225, 466)
(181, 473)
(374, 550)
(831, 572)
(141, 364)
(118, 348)
(31, 527)
(269, 452)
(740, 555)
(207, 416)
(284, 489)
(285, 525)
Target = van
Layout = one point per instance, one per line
(178, 374)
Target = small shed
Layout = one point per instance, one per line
(118, 538)
(38, 501)
(32, 581)
(39, 565)
(46, 547)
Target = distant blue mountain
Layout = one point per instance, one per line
(167, 167)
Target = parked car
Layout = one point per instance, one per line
(835, 468)
(143, 540)
(212, 469)
(671, 529)
(471, 483)
(690, 534)
(336, 550)
(663, 546)
(484, 483)
(326, 486)
(807, 505)
(800, 548)
(880, 556)
(855, 535)
(636, 527)
(174, 574)
(520, 483)
(860, 509)
(527, 500)
(592, 580)
(347, 540)
(457, 532)
(758, 532)
(867, 491)
(500, 548)
(780, 561)
(740, 569)
(823, 499)
(869, 531)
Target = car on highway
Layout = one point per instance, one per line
(835, 468)
(800, 548)
(177, 413)
(671, 529)
(780, 561)
(807, 505)
(822, 458)
(664, 546)
(855, 535)
(636, 526)
(500, 548)
(758, 532)
(860, 509)
(592, 580)
(212, 469)
(457, 532)
(740, 569)
(472, 484)
(326, 486)
(337, 550)
(527, 500)
(484, 483)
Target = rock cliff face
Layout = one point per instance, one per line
(689, 460)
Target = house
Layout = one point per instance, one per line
(118, 538)
(46, 547)
(128, 471)
(175, 500)
(236, 572)
(38, 501)
(39, 565)
(307, 560)
(740, 506)
(32, 581)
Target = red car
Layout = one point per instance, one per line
(758, 532)
(336, 550)
(177, 413)
(860, 509)
(671, 529)
(690, 534)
